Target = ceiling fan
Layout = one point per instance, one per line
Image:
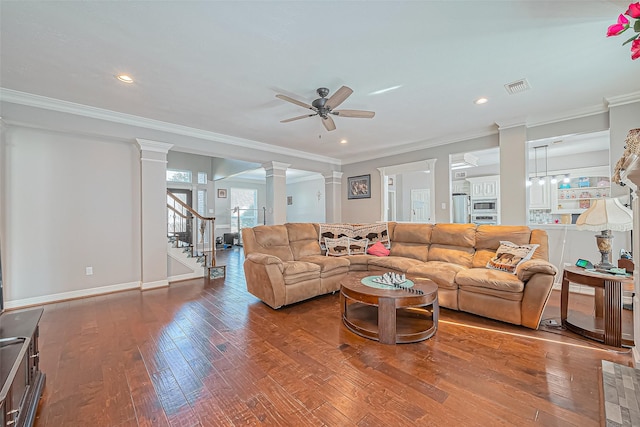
(324, 106)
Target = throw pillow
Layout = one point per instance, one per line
(333, 231)
(337, 247)
(358, 247)
(509, 256)
(378, 249)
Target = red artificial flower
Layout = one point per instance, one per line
(619, 28)
(634, 10)
(635, 49)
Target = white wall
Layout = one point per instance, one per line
(567, 245)
(307, 205)
(70, 202)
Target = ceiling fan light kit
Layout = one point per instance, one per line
(324, 106)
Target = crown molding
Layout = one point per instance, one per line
(511, 123)
(630, 98)
(155, 146)
(418, 145)
(38, 101)
(569, 115)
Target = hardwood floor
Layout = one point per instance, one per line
(208, 353)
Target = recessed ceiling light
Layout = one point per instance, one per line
(124, 78)
(343, 141)
(481, 101)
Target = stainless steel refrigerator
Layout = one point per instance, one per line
(461, 208)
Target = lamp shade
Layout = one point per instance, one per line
(606, 214)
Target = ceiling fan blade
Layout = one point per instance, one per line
(298, 118)
(328, 123)
(295, 101)
(338, 97)
(354, 113)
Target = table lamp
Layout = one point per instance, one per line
(605, 215)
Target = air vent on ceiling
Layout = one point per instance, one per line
(517, 86)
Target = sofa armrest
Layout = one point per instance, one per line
(527, 269)
(538, 276)
(265, 279)
(265, 259)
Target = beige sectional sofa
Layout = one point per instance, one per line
(284, 264)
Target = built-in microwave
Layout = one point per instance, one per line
(484, 206)
(484, 219)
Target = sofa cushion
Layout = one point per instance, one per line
(337, 247)
(453, 243)
(359, 262)
(417, 251)
(393, 263)
(442, 273)
(412, 233)
(273, 240)
(453, 254)
(489, 279)
(463, 235)
(509, 256)
(303, 239)
(488, 238)
(411, 240)
(297, 271)
(541, 238)
(327, 263)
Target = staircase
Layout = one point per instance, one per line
(184, 227)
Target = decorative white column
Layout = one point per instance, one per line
(276, 192)
(512, 203)
(153, 199)
(333, 197)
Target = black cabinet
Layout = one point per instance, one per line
(20, 375)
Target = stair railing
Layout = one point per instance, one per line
(183, 221)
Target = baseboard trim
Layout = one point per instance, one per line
(186, 276)
(63, 296)
(154, 285)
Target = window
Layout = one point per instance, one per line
(174, 175)
(202, 202)
(202, 177)
(246, 202)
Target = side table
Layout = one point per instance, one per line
(607, 324)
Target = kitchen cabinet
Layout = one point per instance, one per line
(485, 187)
(539, 195)
(22, 380)
(460, 186)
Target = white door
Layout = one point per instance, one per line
(421, 205)
(391, 206)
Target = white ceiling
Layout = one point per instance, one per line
(217, 65)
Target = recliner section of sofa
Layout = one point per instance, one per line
(285, 264)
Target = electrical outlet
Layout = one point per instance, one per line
(444, 206)
(89, 271)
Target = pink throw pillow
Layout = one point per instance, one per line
(378, 249)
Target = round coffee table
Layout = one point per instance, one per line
(391, 316)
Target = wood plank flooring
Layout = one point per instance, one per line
(207, 353)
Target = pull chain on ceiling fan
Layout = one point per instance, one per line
(324, 106)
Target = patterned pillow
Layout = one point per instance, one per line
(333, 231)
(337, 247)
(509, 256)
(358, 247)
(373, 232)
